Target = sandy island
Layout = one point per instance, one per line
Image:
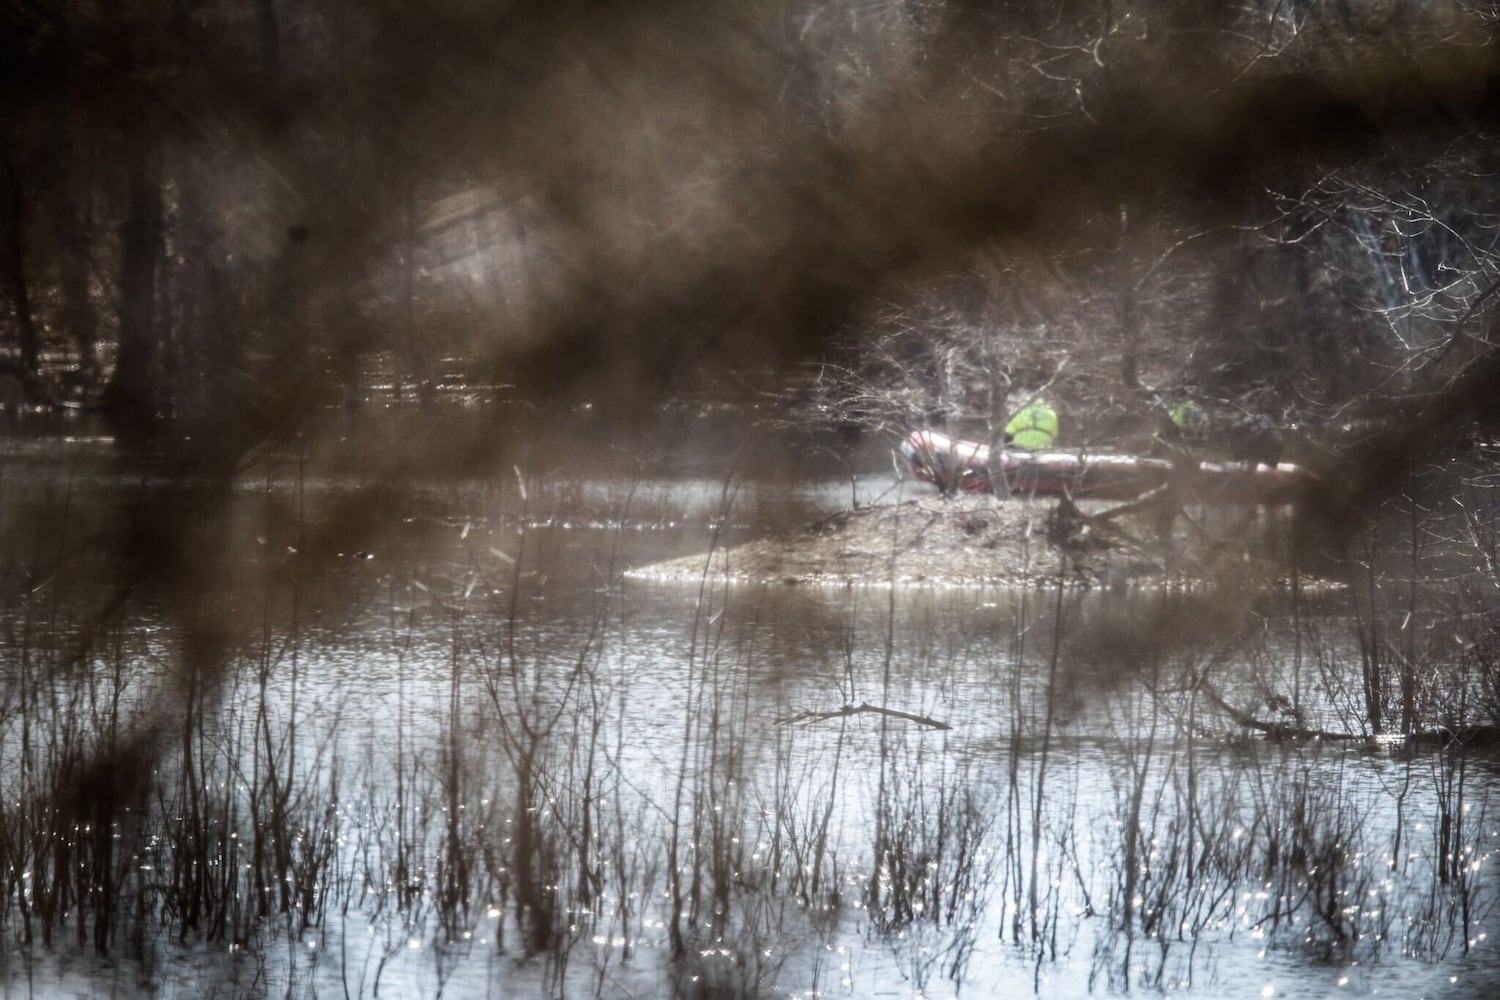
(980, 541)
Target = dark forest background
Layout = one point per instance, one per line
(216, 217)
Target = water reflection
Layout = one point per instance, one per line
(469, 754)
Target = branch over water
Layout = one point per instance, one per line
(847, 710)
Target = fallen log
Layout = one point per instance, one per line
(1278, 729)
(1478, 736)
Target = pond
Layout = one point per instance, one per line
(334, 732)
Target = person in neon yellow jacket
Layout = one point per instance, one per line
(1188, 432)
(1033, 428)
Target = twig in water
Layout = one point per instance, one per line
(864, 706)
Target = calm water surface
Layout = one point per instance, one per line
(497, 766)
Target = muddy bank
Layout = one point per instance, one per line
(981, 541)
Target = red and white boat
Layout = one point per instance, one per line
(953, 463)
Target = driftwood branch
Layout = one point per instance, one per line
(1151, 498)
(847, 710)
(1281, 730)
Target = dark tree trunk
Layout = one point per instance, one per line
(1129, 310)
(13, 262)
(69, 224)
(999, 407)
(131, 396)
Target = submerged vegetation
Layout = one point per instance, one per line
(477, 758)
